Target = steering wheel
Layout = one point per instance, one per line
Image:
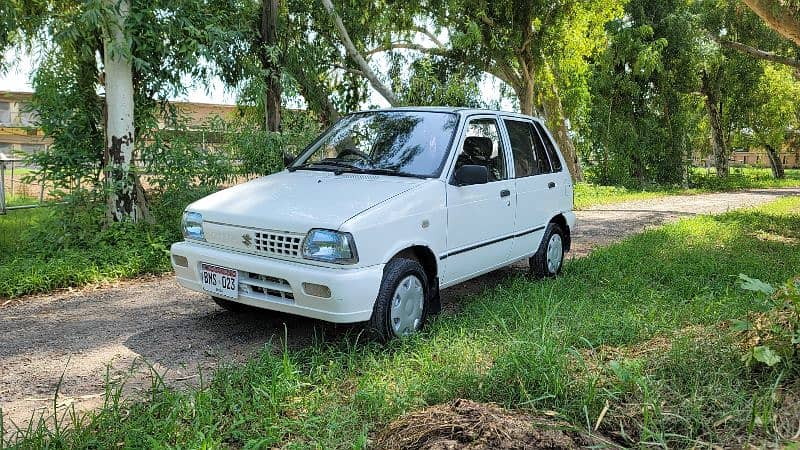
(354, 152)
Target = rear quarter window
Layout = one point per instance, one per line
(551, 149)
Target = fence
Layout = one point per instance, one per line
(13, 185)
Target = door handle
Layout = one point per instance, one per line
(551, 185)
(505, 193)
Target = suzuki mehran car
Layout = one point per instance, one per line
(380, 212)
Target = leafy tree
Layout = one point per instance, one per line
(776, 114)
(643, 112)
(162, 41)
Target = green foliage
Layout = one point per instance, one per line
(41, 250)
(776, 112)
(439, 82)
(772, 337)
(260, 152)
(70, 113)
(642, 118)
(633, 326)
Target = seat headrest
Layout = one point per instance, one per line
(478, 146)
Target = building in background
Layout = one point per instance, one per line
(19, 135)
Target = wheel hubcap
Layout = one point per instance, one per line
(555, 253)
(408, 302)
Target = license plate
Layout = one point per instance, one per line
(220, 280)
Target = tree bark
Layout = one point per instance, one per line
(270, 65)
(718, 145)
(554, 114)
(779, 16)
(775, 162)
(344, 36)
(119, 122)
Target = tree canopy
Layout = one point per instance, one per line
(632, 90)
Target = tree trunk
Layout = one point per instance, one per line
(270, 65)
(779, 16)
(344, 36)
(775, 162)
(718, 145)
(119, 122)
(554, 114)
(525, 95)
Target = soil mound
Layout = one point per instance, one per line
(464, 424)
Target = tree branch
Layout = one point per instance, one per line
(356, 56)
(348, 70)
(760, 54)
(779, 16)
(430, 36)
(408, 46)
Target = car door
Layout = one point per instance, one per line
(480, 218)
(560, 179)
(534, 185)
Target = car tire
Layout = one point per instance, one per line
(549, 259)
(231, 306)
(402, 303)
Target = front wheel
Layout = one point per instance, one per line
(547, 262)
(401, 306)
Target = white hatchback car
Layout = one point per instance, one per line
(379, 213)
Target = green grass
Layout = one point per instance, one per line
(19, 200)
(701, 181)
(39, 254)
(587, 194)
(638, 326)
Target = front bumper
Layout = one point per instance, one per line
(353, 291)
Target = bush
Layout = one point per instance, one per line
(773, 337)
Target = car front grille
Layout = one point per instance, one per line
(281, 244)
(262, 242)
(266, 287)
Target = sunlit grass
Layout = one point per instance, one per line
(702, 181)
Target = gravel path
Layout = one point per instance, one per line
(88, 333)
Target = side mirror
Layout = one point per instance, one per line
(469, 175)
(288, 159)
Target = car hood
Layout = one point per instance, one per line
(301, 200)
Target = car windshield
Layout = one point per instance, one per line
(404, 143)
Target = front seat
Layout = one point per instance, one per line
(478, 152)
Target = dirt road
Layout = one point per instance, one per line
(82, 333)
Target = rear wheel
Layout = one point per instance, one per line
(231, 305)
(549, 259)
(401, 306)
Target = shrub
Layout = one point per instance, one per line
(772, 337)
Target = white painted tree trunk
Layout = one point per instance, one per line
(119, 120)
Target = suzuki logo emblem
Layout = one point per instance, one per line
(246, 240)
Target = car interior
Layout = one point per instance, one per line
(478, 150)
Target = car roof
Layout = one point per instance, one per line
(456, 110)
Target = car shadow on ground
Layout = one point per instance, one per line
(214, 335)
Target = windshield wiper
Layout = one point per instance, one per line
(323, 164)
(343, 167)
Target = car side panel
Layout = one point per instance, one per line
(416, 217)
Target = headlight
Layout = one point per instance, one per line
(192, 225)
(330, 246)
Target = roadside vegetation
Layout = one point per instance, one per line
(646, 340)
